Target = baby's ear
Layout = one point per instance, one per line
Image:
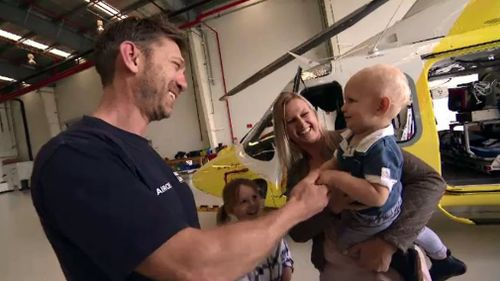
(383, 105)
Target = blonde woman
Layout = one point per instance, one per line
(303, 145)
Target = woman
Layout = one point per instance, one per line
(303, 145)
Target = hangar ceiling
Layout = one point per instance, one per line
(42, 40)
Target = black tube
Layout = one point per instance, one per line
(26, 131)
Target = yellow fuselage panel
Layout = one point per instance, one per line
(213, 176)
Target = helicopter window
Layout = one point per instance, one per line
(260, 142)
(404, 123)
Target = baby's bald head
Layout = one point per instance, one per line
(383, 80)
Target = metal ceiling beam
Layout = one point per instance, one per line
(134, 6)
(176, 5)
(15, 72)
(55, 32)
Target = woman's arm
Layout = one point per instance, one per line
(306, 230)
(423, 187)
(422, 190)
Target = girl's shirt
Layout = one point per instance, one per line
(271, 269)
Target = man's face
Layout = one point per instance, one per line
(161, 80)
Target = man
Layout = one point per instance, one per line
(111, 207)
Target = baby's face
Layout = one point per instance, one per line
(249, 204)
(360, 108)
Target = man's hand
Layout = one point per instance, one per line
(374, 254)
(309, 197)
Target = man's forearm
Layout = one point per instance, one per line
(222, 253)
(249, 241)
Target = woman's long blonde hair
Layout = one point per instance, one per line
(288, 152)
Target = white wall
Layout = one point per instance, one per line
(7, 136)
(79, 95)
(250, 39)
(38, 124)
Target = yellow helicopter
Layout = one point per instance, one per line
(450, 52)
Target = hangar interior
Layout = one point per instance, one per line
(48, 82)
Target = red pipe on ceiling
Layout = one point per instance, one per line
(88, 64)
(48, 81)
(201, 16)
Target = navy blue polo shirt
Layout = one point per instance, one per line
(378, 159)
(107, 200)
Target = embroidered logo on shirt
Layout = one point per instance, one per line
(386, 173)
(163, 188)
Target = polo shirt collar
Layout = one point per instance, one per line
(368, 141)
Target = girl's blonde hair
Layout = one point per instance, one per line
(288, 152)
(230, 197)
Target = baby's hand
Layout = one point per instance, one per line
(327, 177)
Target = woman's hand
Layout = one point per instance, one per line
(373, 254)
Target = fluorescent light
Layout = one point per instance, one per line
(9, 35)
(60, 53)
(108, 9)
(32, 43)
(4, 78)
(35, 44)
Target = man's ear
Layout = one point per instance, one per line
(130, 55)
(384, 104)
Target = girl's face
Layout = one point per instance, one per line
(249, 204)
(302, 126)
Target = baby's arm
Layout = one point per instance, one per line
(329, 165)
(356, 188)
(380, 168)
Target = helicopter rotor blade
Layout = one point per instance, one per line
(314, 41)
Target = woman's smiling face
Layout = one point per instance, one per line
(302, 124)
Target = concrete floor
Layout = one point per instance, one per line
(25, 253)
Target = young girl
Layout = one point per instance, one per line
(242, 200)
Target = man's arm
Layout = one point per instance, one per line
(423, 187)
(227, 252)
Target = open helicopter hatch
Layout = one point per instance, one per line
(466, 100)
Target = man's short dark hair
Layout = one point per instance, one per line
(143, 32)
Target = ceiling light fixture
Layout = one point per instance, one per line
(107, 9)
(80, 60)
(33, 44)
(100, 26)
(8, 79)
(31, 59)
